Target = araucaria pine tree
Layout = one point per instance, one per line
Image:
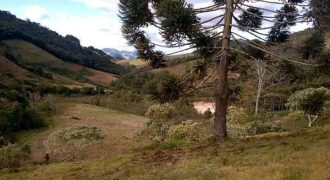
(180, 24)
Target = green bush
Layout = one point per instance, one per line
(260, 127)
(187, 130)
(11, 156)
(154, 129)
(160, 111)
(79, 136)
(237, 115)
(311, 101)
(207, 114)
(164, 88)
(293, 121)
(16, 118)
(46, 107)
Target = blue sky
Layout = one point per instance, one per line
(94, 22)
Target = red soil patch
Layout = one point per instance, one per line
(8, 66)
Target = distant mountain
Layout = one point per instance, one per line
(120, 55)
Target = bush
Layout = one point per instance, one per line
(187, 130)
(16, 118)
(260, 127)
(79, 136)
(11, 156)
(164, 88)
(160, 111)
(46, 107)
(155, 129)
(311, 101)
(238, 115)
(207, 114)
(293, 121)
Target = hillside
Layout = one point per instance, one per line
(67, 48)
(65, 73)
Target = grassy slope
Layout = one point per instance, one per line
(136, 62)
(118, 128)
(303, 155)
(65, 72)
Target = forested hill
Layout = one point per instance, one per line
(67, 48)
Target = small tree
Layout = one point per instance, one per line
(156, 127)
(311, 101)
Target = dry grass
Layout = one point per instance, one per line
(178, 69)
(118, 128)
(137, 62)
(300, 155)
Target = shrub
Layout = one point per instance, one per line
(207, 114)
(155, 130)
(16, 118)
(79, 136)
(46, 107)
(236, 130)
(238, 115)
(311, 101)
(187, 130)
(160, 111)
(260, 127)
(293, 121)
(11, 156)
(165, 88)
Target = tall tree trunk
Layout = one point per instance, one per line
(221, 89)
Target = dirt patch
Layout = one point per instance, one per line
(203, 106)
(8, 66)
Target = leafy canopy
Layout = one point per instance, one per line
(310, 100)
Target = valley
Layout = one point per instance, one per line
(230, 106)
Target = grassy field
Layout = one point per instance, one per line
(301, 154)
(117, 127)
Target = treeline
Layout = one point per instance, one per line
(67, 48)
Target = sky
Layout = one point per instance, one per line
(94, 22)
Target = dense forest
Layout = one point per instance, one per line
(67, 48)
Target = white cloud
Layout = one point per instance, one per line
(35, 13)
(100, 30)
(105, 5)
